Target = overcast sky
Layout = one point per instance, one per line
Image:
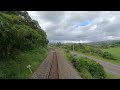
(79, 26)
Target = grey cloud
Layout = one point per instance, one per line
(62, 25)
(52, 16)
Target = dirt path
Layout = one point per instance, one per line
(55, 67)
(109, 67)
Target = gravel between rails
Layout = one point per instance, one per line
(55, 67)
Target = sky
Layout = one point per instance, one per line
(79, 26)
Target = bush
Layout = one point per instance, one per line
(91, 67)
(84, 73)
(108, 55)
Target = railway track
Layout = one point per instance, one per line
(55, 67)
(53, 73)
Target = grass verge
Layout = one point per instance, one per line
(15, 68)
(111, 76)
(87, 68)
(86, 75)
(117, 62)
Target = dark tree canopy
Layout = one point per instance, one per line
(18, 32)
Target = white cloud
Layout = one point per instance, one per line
(63, 25)
(112, 19)
(93, 27)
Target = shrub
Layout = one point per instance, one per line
(88, 68)
(108, 55)
(84, 73)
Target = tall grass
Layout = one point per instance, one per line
(15, 68)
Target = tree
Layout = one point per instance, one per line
(16, 34)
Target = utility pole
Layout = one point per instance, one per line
(73, 47)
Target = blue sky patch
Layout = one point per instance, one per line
(84, 23)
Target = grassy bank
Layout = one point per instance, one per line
(15, 68)
(115, 52)
(111, 76)
(85, 74)
(117, 62)
(87, 68)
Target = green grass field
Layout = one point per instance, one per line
(116, 53)
(15, 68)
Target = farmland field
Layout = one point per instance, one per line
(114, 51)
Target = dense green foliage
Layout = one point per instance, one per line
(15, 68)
(90, 49)
(18, 32)
(88, 68)
(22, 43)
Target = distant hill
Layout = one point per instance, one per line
(105, 42)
